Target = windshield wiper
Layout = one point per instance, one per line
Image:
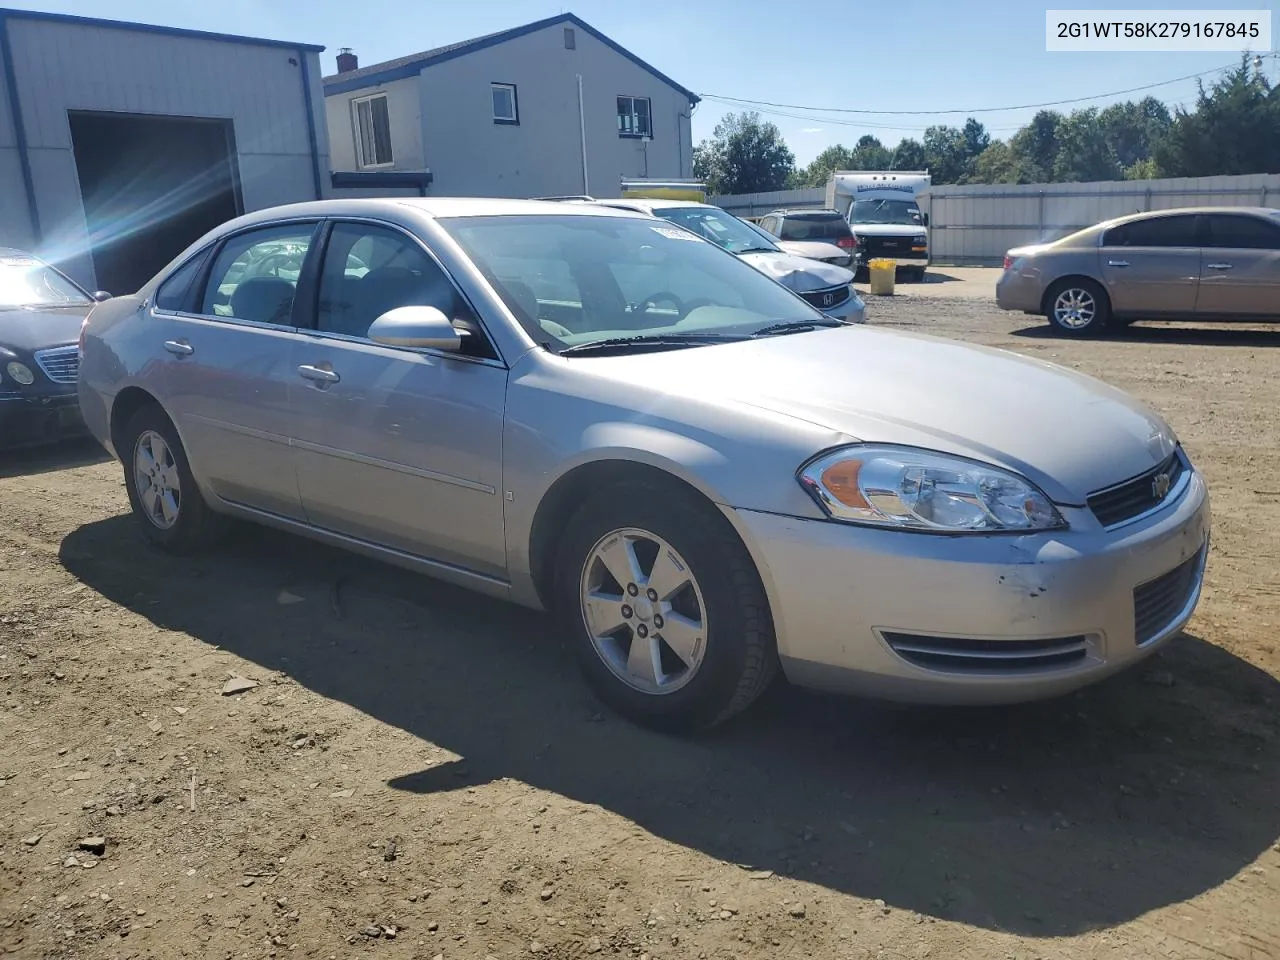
(797, 326)
(758, 250)
(619, 344)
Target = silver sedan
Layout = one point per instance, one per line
(705, 478)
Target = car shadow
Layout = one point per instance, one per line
(1208, 335)
(29, 461)
(1044, 820)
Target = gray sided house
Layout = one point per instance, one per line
(121, 143)
(513, 114)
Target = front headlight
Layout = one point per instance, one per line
(906, 488)
(21, 373)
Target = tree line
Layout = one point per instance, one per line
(1234, 128)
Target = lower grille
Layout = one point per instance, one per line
(1159, 602)
(828, 298)
(1134, 497)
(60, 364)
(961, 655)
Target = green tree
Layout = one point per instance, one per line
(908, 155)
(946, 153)
(818, 172)
(869, 154)
(1235, 129)
(744, 155)
(1084, 152)
(997, 164)
(1035, 147)
(976, 138)
(1134, 129)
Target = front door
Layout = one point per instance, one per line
(229, 349)
(1152, 267)
(397, 446)
(1240, 271)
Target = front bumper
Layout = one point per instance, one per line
(853, 310)
(28, 420)
(843, 598)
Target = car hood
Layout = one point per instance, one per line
(889, 230)
(812, 249)
(1067, 433)
(30, 330)
(799, 273)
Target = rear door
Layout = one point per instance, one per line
(1151, 267)
(1240, 271)
(228, 376)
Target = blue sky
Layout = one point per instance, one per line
(908, 55)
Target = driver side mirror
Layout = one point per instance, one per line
(924, 217)
(416, 326)
(101, 296)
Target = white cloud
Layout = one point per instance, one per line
(811, 130)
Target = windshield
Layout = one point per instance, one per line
(573, 280)
(712, 223)
(26, 282)
(904, 212)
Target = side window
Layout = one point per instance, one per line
(1242, 232)
(769, 225)
(256, 274)
(369, 270)
(175, 293)
(1176, 231)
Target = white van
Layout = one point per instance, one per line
(881, 207)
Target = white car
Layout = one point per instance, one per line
(827, 287)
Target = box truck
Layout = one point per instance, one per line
(881, 207)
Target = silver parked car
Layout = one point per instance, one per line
(589, 411)
(827, 287)
(1200, 263)
(812, 249)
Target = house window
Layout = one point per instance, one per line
(373, 131)
(505, 107)
(570, 39)
(634, 117)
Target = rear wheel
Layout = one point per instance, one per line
(664, 608)
(1078, 307)
(916, 275)
(161, 488)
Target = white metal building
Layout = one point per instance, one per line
(122, 142)
(548, 108)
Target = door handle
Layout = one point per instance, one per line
(179, 348)
(1218, 266)
(317, 374)
(1117, 263)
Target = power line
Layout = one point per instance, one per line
(929, 113)
(859, 124)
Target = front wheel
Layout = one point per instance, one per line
(664, 608)
(1078, 307)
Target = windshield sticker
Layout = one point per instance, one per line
(675, 233)
(16, 261)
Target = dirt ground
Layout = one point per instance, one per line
(419, 772)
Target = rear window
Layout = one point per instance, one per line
(829, 227)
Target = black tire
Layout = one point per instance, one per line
(916, 275)
(740, 659)
(196, 526)
(1085, 291)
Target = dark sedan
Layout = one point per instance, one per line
(41, 310)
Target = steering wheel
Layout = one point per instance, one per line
(663, 296)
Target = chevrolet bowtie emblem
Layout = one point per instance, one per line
(1160, 485)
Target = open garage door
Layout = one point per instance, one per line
(150, 186)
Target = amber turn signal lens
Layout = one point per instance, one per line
(841, 481)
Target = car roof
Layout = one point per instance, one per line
(807, 212)
(648, 205)
(1152, 214)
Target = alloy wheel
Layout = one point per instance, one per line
(155, 477)
(644, 611)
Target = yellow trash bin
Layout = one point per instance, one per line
(882, 273)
